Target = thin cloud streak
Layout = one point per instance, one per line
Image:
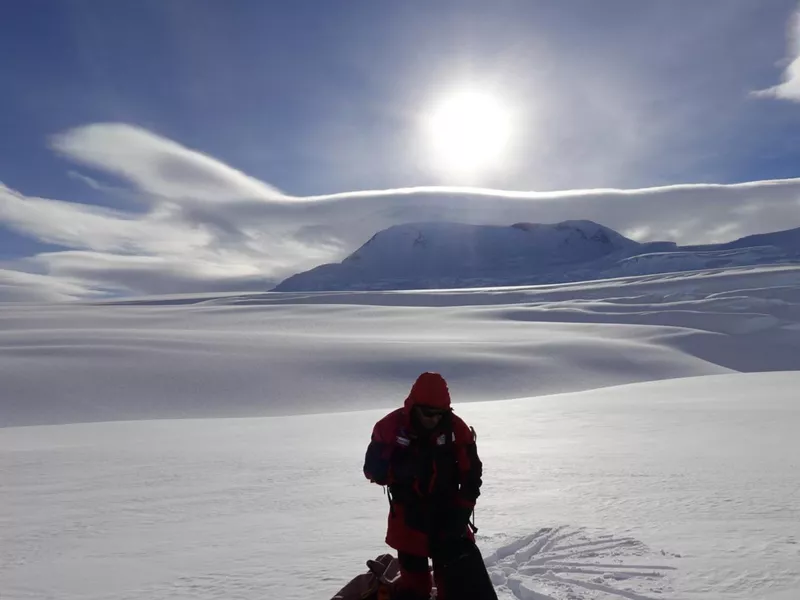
(19, 286)
(157, 165)
(92, 227)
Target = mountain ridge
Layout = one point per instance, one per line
(428, 255)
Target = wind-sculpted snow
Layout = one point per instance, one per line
(269, 354)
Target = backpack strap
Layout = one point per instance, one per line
(387, 490)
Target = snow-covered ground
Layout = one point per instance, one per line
(270, 354)
(679, 489)
(684, 485)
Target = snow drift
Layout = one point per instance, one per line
(290, 353)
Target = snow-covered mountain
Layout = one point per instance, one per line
(455, 255)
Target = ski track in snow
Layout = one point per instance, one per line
(571, 563)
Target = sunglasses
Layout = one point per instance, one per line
(430, 412)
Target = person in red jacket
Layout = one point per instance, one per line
(427, 457)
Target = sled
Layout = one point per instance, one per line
(465, 576)
(378, 583)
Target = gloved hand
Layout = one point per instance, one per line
(457, 522)
(450, 541)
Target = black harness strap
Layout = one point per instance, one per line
(388, 493)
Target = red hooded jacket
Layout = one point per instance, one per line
(434, 476)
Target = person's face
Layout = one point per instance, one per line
(429, 416)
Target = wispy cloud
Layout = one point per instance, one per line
(124, 274)
(209, 227)
(156, 165)
(90, 181)
(789, 89)
(93, 227)
(19, 286)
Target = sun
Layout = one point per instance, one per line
(468, 134)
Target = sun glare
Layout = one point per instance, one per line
(468, 134)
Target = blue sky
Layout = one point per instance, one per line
(325, 97)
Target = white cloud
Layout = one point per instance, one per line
(684, 213)
(789, 89)
(18, 286)
(137, 275)
(157, 165)
(238, 234)
(90, 181)
(94, 227)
